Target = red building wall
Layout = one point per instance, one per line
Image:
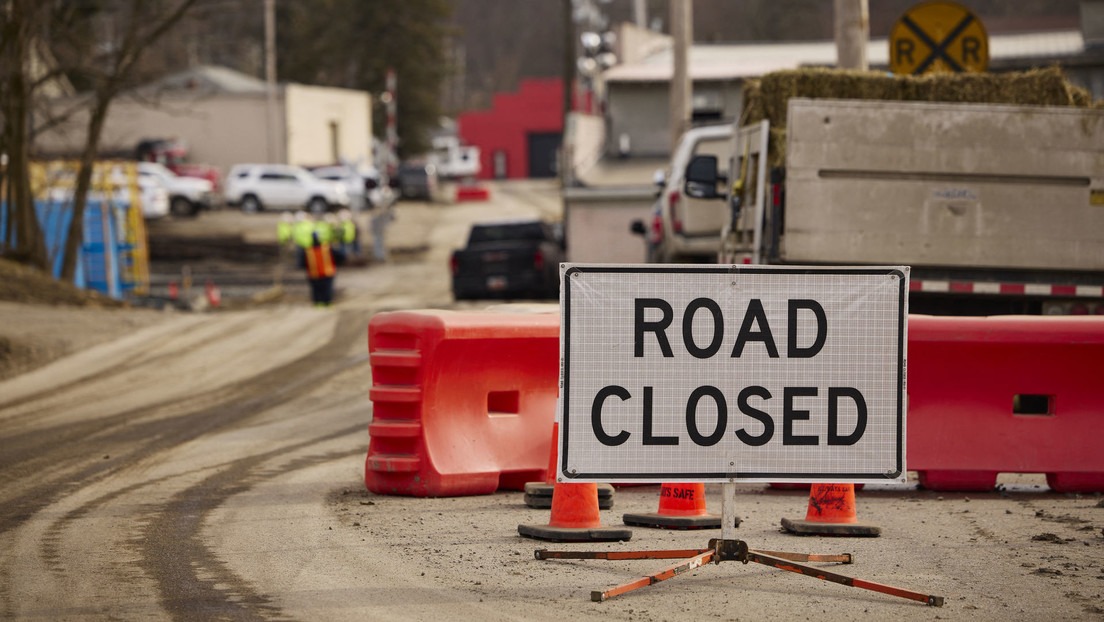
(535, 108)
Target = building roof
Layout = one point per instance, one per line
(209, 79)
(731, 62)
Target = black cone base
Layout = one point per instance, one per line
(666, 521)
(538, 495)
(853, 530)
(569, 534)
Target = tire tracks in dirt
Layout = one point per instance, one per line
(43, 465)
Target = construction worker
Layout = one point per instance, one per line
(350, 234)
(326, 227)
(302, 229)
(284, 229)
(318, 259)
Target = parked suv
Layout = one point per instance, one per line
(363, 183)
(257, 187)
(686, 219)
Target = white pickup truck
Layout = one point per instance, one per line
(187, 195)
(687, 219)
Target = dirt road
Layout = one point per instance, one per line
(198, 466)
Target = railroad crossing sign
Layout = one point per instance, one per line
(938, 37)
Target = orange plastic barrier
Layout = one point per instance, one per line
(463, 401)
(1012, 394)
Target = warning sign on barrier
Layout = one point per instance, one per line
(720, 373)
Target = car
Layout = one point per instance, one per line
(364, 184)
(257, 187)
(418, 180)
(187, 195)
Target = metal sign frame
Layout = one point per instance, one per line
(579, 403)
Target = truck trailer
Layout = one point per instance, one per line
(998, 209)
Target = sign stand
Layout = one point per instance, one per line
(728, 548)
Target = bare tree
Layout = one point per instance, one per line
(23, 238)
(99, 44)
(137, 25)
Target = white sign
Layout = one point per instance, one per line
(720, 373)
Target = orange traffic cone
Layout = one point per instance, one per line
(575, 518)
(214, 296)
(539, 494)
(681, 506)
(831, 513)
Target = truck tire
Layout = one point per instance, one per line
(250, 204)
(317, 205)
(183, 208)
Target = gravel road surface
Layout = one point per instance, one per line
(168, 465)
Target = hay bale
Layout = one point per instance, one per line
(768, 96)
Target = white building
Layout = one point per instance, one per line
(226, 118)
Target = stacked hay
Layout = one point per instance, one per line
(767, 97)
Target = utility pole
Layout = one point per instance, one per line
(640, 13)
(852, 33)
(391, 101)
(682, 12)
(270, 78)
(568, 60)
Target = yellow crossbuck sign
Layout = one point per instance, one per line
(938, 37)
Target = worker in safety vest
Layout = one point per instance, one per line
(321, 266)
(326, 228)
(284, 230)
(349, 234)
(302, 229)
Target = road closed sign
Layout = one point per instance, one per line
(719, 373)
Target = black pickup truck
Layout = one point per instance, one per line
(508, 259)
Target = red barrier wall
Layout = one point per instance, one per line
(463, 401)
(963, 378)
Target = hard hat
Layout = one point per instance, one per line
(331, 218)
(345, 214)
(300, 216)
(286, 217)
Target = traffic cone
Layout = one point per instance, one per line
(214, 296)
(681, 506)
(575, 518)
(831, 513)
(539, 494)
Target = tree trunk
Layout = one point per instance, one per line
(23, 227)
(75, 239)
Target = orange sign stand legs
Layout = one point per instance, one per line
(729, 548)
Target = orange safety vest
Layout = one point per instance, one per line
(320, 262)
